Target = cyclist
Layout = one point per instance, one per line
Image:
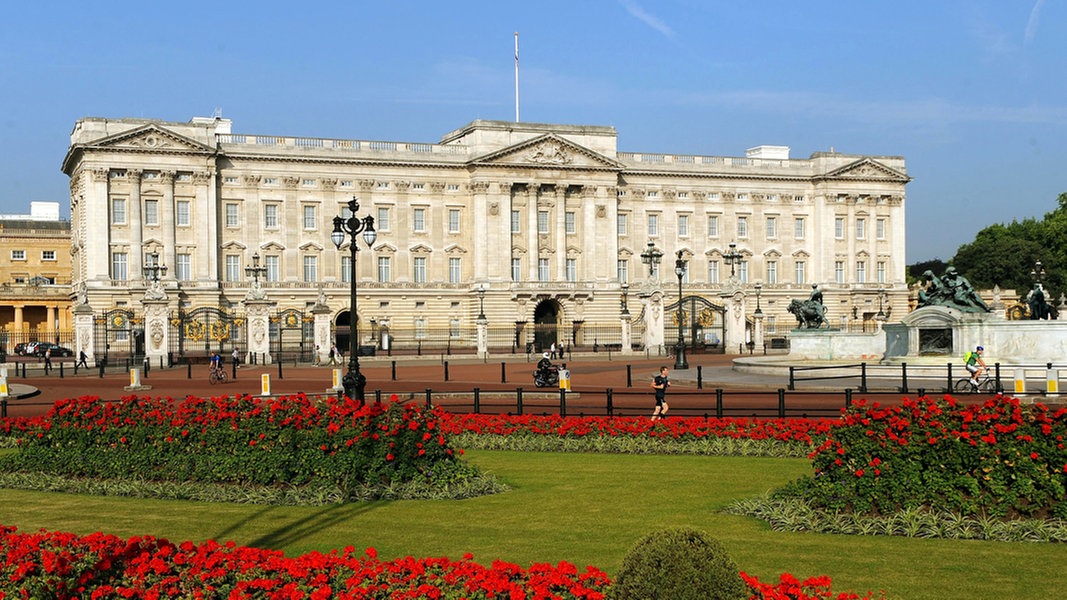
(975, 365)
(216, 364)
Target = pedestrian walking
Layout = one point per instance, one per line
(316, 360)
(47, 360)
(82, 358)
(236, 358)
(552, 350)
(660, 384)
(334, 355)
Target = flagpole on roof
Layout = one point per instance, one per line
(516, 76)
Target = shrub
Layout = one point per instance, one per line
(678, 564)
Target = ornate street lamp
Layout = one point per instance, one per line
(881, 295)
(353, 382)
(679, 350)
(481, 303)
(732, 258)
(625, 309)
(1038, 272)
(255, 271)
(651, 257)
(759, 288)
(154, 271)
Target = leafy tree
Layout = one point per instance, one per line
(915, 271)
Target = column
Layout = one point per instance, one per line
(168, 225)
(18, 318)
(561, 232)
(480, 208)
(533, 202)
(133, 220)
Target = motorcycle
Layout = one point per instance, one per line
(547, 378)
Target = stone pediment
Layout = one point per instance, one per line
(549, 151)
(867, 169)
(152, 138)
(933, 316)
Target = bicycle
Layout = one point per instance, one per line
(216, 376)
(986, 385)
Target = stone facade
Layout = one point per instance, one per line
(550, 219)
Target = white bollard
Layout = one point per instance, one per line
(1020, 382)
(337, 380)
(264, 384)
(1052, 383)
(135, 378)
(3, 386)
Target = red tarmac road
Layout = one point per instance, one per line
(591, 376)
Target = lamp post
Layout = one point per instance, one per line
(255, 271)
(481, 303)
(154, 271)
(881, 295)
(732, 258)
(1038, 272)
(625, 309)
(679, 351)
(759, 288)
(651, 257)
(353, 382)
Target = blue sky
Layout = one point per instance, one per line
(971, 93)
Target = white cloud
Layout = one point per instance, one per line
(650, 20)
(1031, 25)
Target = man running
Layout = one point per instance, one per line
(660, 384)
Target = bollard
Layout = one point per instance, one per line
(1052, 383)
(718, 403)
(1020, 381)
(848, 397)
(429, 399)
(3, 385)
(563, 403)
(394, 370)
(446, 370)
(863, 378)
(280, 366)
(3, 406)
(903, 378)
(611, 403)
(518, 401)
(629, 378)
(135, 378)
(781, 403)
(503, 373)
(700, 377)
(147, 367)
(61, 370)
(264, 384)
(188, 369)
(477, 401)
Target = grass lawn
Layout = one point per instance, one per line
(587, 509)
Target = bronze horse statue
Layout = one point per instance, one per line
(808, 314)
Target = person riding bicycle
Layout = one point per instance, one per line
(215, 364)
(975, 365)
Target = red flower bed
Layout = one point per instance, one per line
(790, 588)
(792, 430)
(67, 566)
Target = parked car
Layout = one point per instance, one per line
(25, 348)
(57, 350)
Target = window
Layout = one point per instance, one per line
(231, 215)
(151, 212)
(543, 272)
(273, 265)
(879, 229)
(118, 212)
(453, 220)
(622, 269)
(772, 227)
(516, 269)
(542, 221)
(798, 228)
(311, 268)
(839, 271)
(772, 324)
(742, 271)
(516, 221)
(18, 255)
(270, 216)
(881, 271)
(653, 224)
(621, 223)
(419, 222)
(455, 270)
(382, 223)
(772, 271)
(839, 228)
(309, 217)
(861, 228)
(569, 223)
(798, 272)
(48, 254)
(713, 271)
(346, 269)
(420, 328)
(453, 328)
(572, 269)
(118, 266)
(683, 225)
(384, 269)
(233, 267)
(861, 271)
(713, 226)
(742, 227)
(183, 270)
(418, 270)
(181, 213)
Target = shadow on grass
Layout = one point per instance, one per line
(295, 532)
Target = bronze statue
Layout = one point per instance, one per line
(1039, 307)
(951, 290)
(811, 313)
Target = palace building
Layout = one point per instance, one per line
(548, 232)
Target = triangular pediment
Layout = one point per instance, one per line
(549, 151)
(867, 169)
(152, 138)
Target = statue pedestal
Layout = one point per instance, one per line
(834, 344)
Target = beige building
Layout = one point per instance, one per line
(541, 226)
(35, 277)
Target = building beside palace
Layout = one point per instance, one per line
(34, 277)
(541, 226)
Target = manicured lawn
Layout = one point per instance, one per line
(587, 509)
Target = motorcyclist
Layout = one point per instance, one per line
(544, 365)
